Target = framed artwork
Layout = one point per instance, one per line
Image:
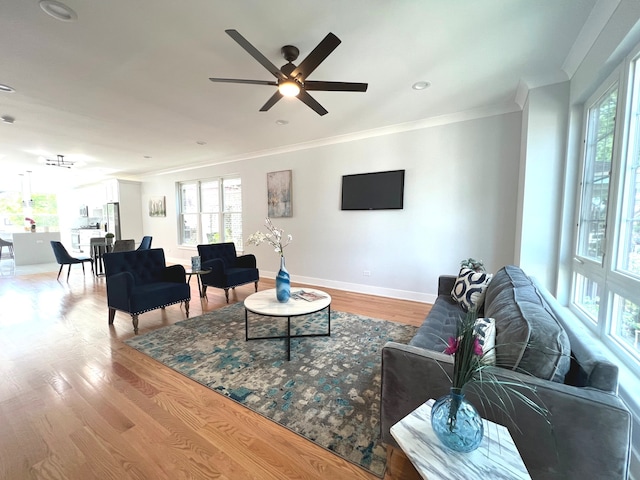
(157, 207)
(279, 194)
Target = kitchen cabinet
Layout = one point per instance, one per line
(112, 190)
(128, 194)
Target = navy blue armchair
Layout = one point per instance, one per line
(227, 269)
(139, 281)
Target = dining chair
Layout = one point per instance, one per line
(124, 245)
(145, 244)
(6, 243)
(97, 248)
(63, 258)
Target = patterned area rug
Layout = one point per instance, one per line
(329, 392)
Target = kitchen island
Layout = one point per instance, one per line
(33, 248)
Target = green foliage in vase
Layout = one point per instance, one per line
(473, 264)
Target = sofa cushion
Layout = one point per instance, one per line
(529, 338)
(470, 288)
(439, 325)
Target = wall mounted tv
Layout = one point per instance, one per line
(373, 191)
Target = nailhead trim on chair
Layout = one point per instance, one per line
(155, 308)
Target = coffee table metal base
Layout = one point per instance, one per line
(288, 336)
(264, 304)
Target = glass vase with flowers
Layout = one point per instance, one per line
(455, 421)
(276, 238)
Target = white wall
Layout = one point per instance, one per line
(460, 201)
(129, 194)
(542, 169)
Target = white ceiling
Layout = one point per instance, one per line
(129, 79)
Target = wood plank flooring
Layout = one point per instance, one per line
(77, 403)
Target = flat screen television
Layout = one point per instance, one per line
(373, 191)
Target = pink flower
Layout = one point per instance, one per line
(477, 348)
(452, 346)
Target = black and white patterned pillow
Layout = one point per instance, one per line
(470, 288)
(485, 330)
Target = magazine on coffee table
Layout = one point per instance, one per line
(308, 296)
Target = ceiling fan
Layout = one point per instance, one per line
(292, 80)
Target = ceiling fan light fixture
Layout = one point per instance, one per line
(289, 88)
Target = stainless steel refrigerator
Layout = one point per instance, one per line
(113, 219)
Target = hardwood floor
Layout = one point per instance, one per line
(77, 403)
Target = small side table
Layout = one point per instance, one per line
(496, 458)
(198, 274)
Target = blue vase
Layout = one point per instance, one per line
(283, 283)
(457, 423)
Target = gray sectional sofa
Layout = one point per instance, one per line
(587, 433)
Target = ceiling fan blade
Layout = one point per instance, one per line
(312, 103)
(239, 80)
(272, 101)
(253, 51)
(315, 58)
(336, 86)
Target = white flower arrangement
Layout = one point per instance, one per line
(275, 237)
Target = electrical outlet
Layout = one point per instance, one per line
(366, 273)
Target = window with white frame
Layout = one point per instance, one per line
(606, 276)
(210, 211)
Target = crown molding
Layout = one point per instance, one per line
(600, 14)
(488, 111)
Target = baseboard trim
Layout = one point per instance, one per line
(358, 288)
(346, 286)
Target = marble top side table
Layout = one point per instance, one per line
(496, 458)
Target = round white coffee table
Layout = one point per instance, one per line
(264, 303)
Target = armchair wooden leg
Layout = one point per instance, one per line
(112, 315)
(256, 286)
(226, 294)
(134, 317)
(186, 307)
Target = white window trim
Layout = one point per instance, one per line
(198, 182)
(605, 274)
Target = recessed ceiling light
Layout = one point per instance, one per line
(282, 122)
(201, 142)
(421, 85)
(58, 10)
(6, 88)
(8, 119)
